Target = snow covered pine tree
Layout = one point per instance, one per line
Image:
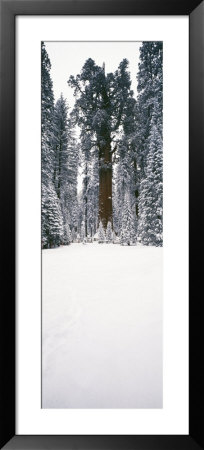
(65, 168)
(149, 142)
(51, 212)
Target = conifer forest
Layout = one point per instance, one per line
(102, 209)
(113, 140)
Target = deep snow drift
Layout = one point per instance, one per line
(102, 327)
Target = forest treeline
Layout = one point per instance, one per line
(116, 141)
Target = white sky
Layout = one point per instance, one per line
(67, 58)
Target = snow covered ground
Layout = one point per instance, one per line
(102, 327)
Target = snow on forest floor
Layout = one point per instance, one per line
(102, 327)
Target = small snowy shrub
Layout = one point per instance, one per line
(101, 234)
(82, 234)
(109, 233)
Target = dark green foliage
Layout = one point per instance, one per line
(59, 165)
(52, 226)
(149, 143)
(47, 107)
(51, 212)
(65, 168)
(150, 87)
(151, 192)
(127, 235)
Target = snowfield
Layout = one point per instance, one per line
(102, 327)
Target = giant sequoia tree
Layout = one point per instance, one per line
(103, 106)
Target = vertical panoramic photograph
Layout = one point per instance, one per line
(102, 224)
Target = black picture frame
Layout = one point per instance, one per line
(9, 9)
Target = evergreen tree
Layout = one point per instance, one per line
(103, 105)
(82, 234)
(92, 194)
(71, 198)
(128, 222)
(65, 167)
(148, 142)
(150, 87)
(86, 171)
(52, 223)
(90, 191)
(124, 181)
(47, 108)
(151, 190)
(60, 145)
(59, 165)
(51, 212)
(67, 236)
(109, 233)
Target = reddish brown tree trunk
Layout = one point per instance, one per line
(105, 185)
